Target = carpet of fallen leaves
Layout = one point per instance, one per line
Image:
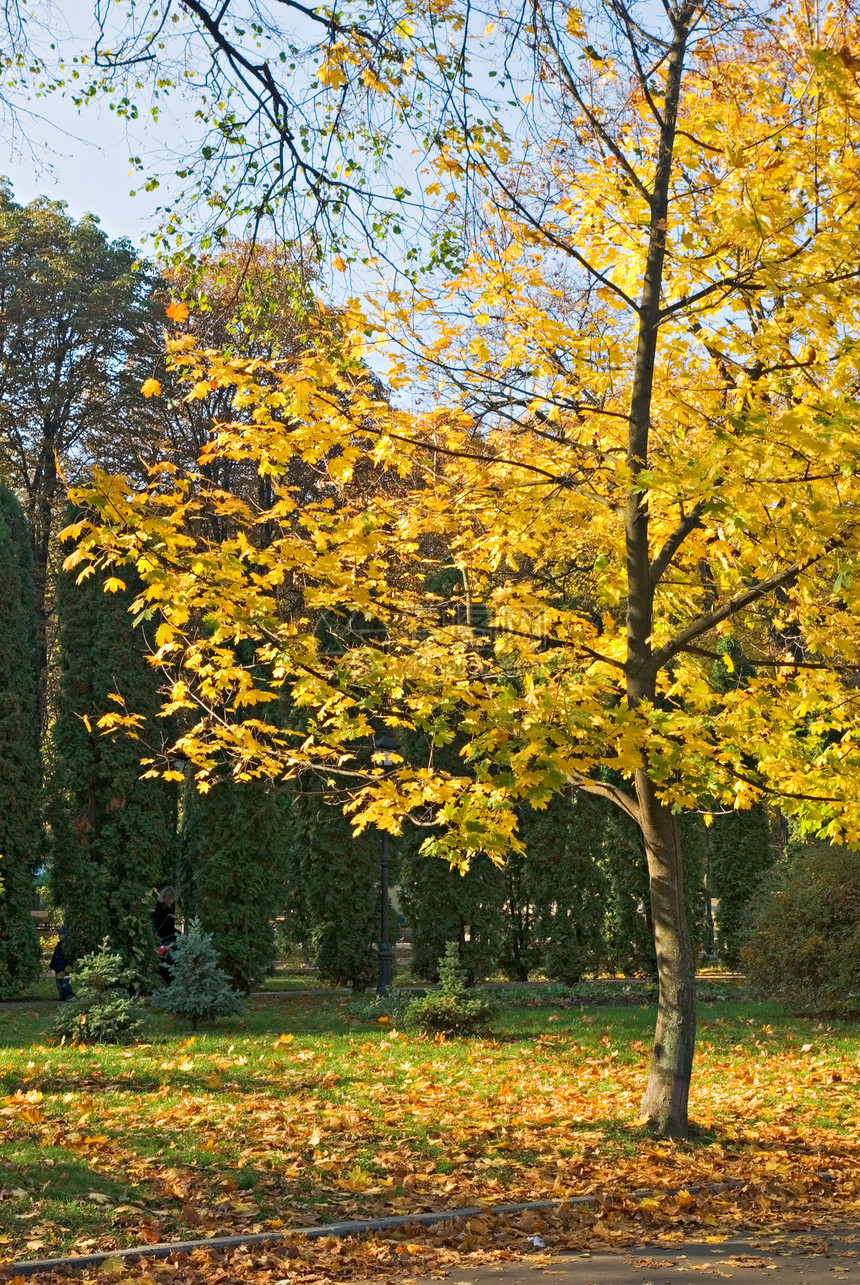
(303, 1115)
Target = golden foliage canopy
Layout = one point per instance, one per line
(469, 528)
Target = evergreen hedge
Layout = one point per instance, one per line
(802, 946)
(113, 835)
(237, 842)
(21, 845)
(442, 905)
(340, 878)
(739, 855)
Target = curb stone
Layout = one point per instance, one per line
(342, 1229)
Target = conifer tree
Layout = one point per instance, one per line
(519, 948)
(340, 877)
(112, 834)
(739, 855)
(199, 990)
(237, 844)
(629, 934)
(564, 844)
(442, 905)
(20, 782)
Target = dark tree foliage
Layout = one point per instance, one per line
(693, 834)
(442, 905)
(238, 842)
(76, 339)
(803, 943)
(740, 853)
(568, 888)
(113, 834)
(519, 950)
(629, 933)
(20, 780)
(340, 875)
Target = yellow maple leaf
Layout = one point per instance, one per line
(331, 75)
(151, 388)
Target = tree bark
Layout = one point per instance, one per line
(665, 1100)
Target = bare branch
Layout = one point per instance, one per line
(675, 540)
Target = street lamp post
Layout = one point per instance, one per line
(387, 745)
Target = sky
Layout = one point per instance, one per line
(82, 160)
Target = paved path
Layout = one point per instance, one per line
(332, 992)
(808, 1259)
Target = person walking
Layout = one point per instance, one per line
(164, 923)
(60, 968)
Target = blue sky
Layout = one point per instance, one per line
(82, 160)
(50, 149)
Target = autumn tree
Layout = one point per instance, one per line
(21, 841)
(76, 340)
(639, 380)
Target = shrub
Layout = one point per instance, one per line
(392, 1006)
(803, 943)
(199, 990)
(449, 1011)
(102, 1011)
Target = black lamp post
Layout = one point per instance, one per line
(386, 744)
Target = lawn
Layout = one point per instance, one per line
(304, 1111)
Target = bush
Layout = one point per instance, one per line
(102, 1011)
(803, 942)
(392, 1005)
(199, 990)
(449, 1011)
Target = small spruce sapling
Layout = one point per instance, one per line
(199, 989)
(102, 1011)
(448, 1011)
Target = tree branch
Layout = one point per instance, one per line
(676, 539)
(756, 591)
(606, 791)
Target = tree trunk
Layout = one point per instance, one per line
(665, 1100)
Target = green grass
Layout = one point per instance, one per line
(303, 1110)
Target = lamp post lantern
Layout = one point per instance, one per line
(386, 744)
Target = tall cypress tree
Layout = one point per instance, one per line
(629, 934)
(113, 834)
(568, 889)
(340, 877)
(739, 854)
(237, 845)
(442, 905)
(20, 780)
